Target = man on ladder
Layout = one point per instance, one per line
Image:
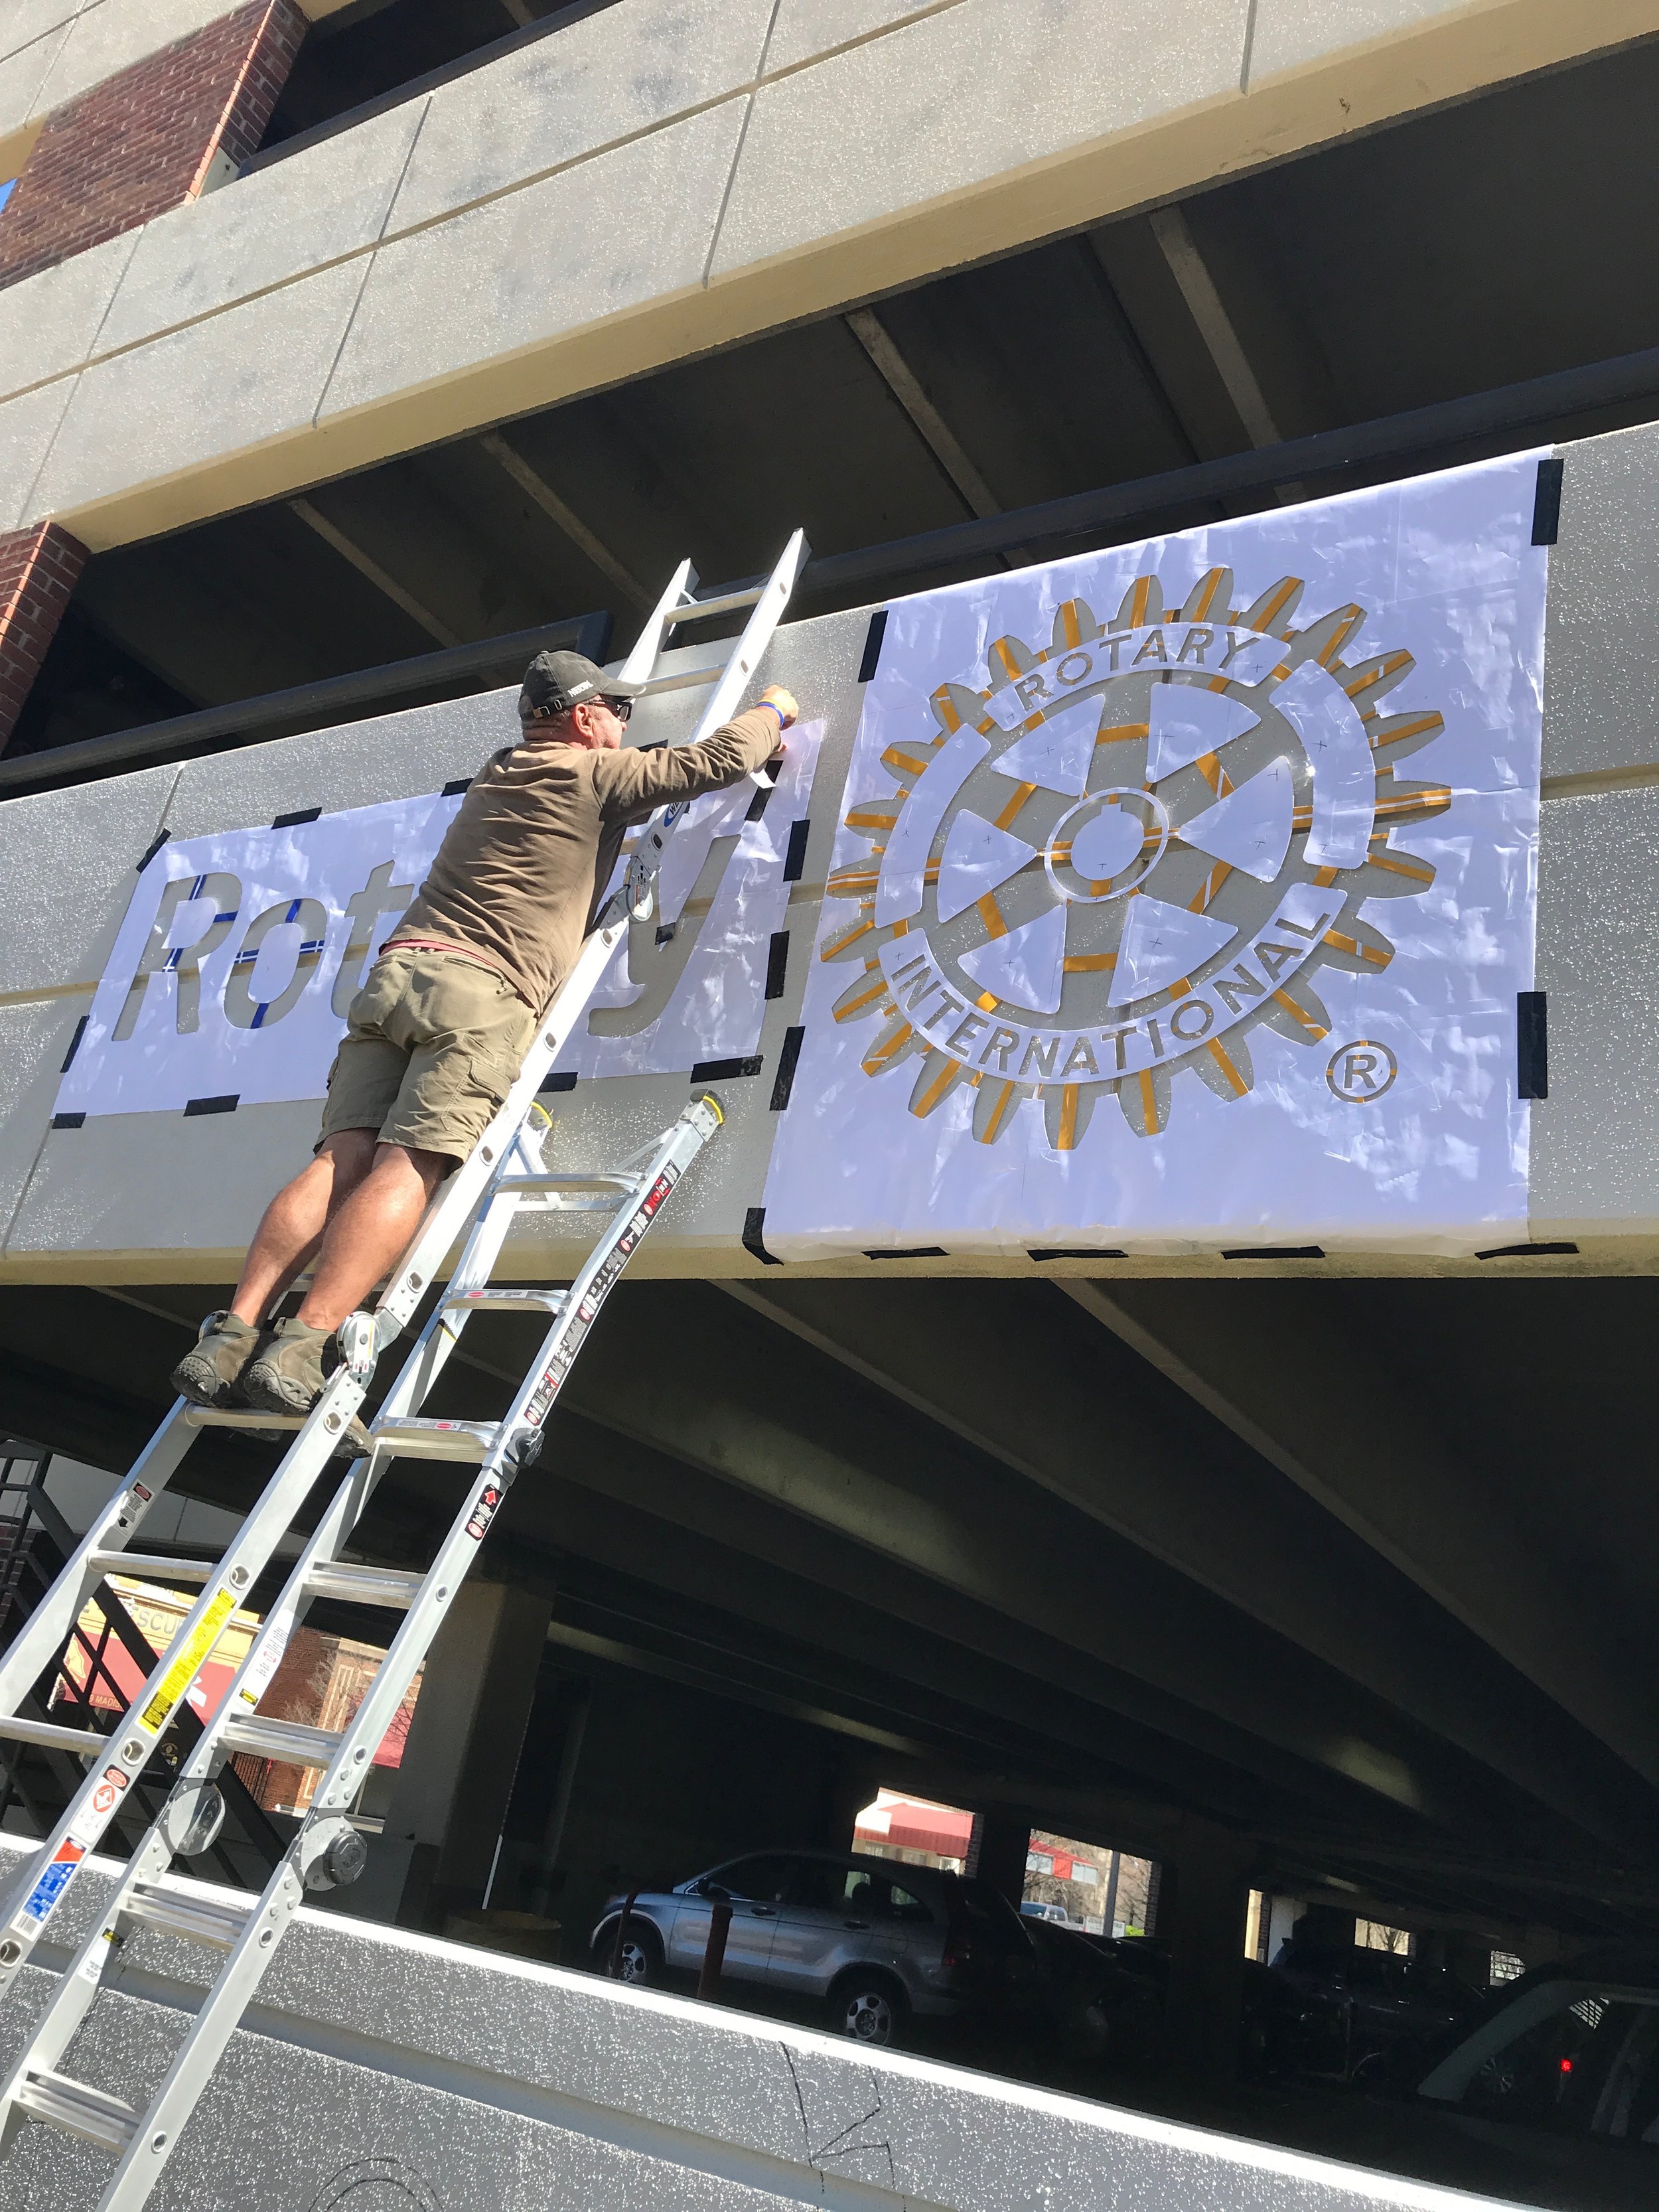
(436, 1035)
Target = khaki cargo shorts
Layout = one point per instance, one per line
(432, 1046)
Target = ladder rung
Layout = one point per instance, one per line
(158, 1905)
(341, 1579)
(506, 1301)
(207, 1416)
(94, 2114)
(423, 1439)
(85, 1743)
(683, 679)
(290, 1741)
(606, 1186)
(152, 1566)
(697, 610)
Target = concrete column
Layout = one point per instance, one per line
(451, 1796)
(1201, 1904)
(40, 568)
(997, 1851)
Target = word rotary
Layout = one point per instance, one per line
(1129, 849)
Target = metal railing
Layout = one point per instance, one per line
(35, 1540)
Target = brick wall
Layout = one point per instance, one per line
(144, 140)
(38, 569)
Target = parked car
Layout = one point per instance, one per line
(1570, 2050)
(875, 1943)
(1348, 2009)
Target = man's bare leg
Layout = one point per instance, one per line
(213, 1372)
(366, 1236)
(293, 1225)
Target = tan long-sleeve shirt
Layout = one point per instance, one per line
(526, 859)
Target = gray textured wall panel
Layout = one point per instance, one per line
(561, 255)
(1596, 1142)
(1602, 658)
(473, 2079)
(68, 865)
(33, 1040)
(237, 380)
(176, 1199)
(209, 252)
(551, 103)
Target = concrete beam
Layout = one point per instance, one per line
(906, 386)
(342, 320)
(1006, 1370)
(566, 518)
(790, 1432)
(1340, 1435)
(367, 565)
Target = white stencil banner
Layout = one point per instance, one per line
(1183, 896)
(236, 960)
(240, 953)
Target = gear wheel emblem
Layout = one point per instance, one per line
(1129, 849)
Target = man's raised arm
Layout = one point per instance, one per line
(633, 782)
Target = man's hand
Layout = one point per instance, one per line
(785, 701)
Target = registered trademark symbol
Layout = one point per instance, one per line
(1362, 1071)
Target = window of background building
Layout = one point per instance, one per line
(916, 1830)
(1089, 1886)
(1377, 1935)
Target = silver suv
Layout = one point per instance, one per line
(878, 1941)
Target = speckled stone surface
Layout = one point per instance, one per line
(238, 380)
(1596, 1139)
(1601, 670)
(383, 2072)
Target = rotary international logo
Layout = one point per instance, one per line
(1127, 851)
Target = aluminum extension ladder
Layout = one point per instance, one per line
(505, 1171)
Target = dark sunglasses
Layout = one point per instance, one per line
(622, 708)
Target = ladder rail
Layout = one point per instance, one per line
(639, 891)
(521, 1426)
(31, 1650)
(503, 1173)
(251, 1951)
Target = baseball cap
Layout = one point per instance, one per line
(554, 681)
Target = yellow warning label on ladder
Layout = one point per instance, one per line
(183, 1671)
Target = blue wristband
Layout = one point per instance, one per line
(773, 707)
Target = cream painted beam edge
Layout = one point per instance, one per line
(790, 275)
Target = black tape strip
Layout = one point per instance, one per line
(1546, 502)
(721, 1071)
(75, 1044)
(666, 935)
(1276, 1252)
(754, 1223)
(225, 1105)
(1532, 1045)
(1066, 1252)
(456, 784)
(758, 804)
(1525, 1251)
(917, 1252)
(793, 1040)
(300, 814)
(795, 859)
(777, 964)
(872, 638)
(67, 1120)
(153, 848)
(555, 1083)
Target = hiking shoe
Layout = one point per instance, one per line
(213, 1373)
(292, 1367)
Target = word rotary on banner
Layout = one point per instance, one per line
(1126, 850)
